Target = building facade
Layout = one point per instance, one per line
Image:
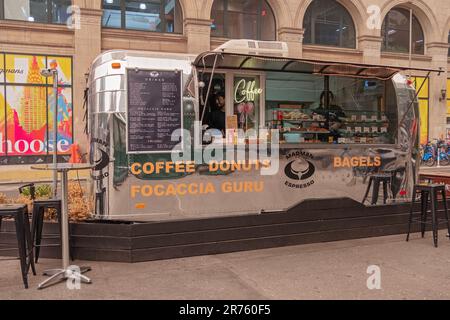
(70, 34)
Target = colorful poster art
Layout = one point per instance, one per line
(65, 119)
(26, 120)
(27, 104)
(64, 67)
(24, 69)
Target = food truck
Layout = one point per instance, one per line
(245, 129)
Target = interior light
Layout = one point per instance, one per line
(31, 19)
(143, 6)
(109, 1)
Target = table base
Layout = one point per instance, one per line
(64, 274)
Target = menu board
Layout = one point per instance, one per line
(154, 110)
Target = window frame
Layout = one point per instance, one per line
(31, 158)
(260, 4)
(162, 17)
(384, 35)
(311, 10)
(49, 15)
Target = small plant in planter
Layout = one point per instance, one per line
(80, 207)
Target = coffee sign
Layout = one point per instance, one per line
(246, 91)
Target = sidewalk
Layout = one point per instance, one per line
(414, 270)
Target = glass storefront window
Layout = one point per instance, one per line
(59, 11)
(328, 23)
(340, 110)
(143, 15)
(248, 19)
(112, 16)
(395, 32)
(362, 111)
(146, 15)
(43, 11)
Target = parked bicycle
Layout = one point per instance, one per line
(435, 152)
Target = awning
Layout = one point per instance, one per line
(237, 61)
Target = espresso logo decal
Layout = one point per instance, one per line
(299, 170)
(154, 74)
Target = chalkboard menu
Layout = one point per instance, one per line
(154, 110)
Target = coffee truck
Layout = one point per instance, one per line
(293, 130)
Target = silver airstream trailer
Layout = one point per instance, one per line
(243, 130)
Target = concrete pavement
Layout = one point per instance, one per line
(414, 270)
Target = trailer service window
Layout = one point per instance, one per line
(309, 108)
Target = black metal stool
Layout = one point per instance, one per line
(20, 215)
(377, 180)
(37, 224)
(429, 192)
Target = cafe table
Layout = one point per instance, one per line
(66, 272)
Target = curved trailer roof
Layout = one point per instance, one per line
(238, 61)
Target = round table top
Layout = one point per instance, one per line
(62, 166)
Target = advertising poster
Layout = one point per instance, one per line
(27, 105)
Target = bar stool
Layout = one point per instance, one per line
(429, 193)
(378, 179)
(37, 221)
(20, 215)
(37, 224)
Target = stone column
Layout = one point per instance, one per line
(87, 43)
(294, 38)
(371, 48)
(198, 32)
(438, 106)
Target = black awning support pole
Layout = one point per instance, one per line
(415, 97)
(209, 87)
